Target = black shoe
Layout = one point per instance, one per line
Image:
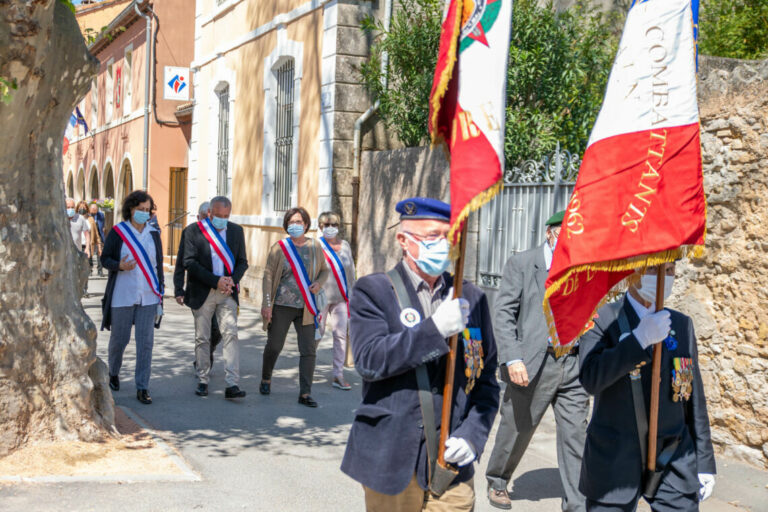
(234, 392)
(142, 395)
(114, 383)
(265, 388)
(202, 389)
(308, 401)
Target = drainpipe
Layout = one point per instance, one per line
(358, 132)
(147, 72)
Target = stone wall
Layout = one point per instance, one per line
(726, 292)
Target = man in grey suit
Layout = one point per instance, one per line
(535, 378)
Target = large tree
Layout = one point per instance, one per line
(51, 384)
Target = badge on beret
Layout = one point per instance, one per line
(409, 208)
(409, 317)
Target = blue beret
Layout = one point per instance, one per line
(416, 208)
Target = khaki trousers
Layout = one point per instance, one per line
(225, 309)
(460, 497)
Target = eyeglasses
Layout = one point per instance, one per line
(432, 237)
(330, 225)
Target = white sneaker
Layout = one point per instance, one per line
(341, 385)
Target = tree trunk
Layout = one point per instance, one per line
(51, 384)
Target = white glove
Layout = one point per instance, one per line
(653, 328)
(451, 316)
(458, 451)
(707, 482)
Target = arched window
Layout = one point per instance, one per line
(222, 152)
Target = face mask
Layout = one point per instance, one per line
(140, 217)
(648, 291)
(433, 256)
(295, 230)
(70, 212)
(81, 211)
(330, 232)
(219, 223)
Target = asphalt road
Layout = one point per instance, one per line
(272, 454)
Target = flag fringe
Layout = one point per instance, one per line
(622, 265)
(454, 234)
(445, 78)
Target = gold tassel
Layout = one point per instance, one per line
(445, 78)
(475, 204)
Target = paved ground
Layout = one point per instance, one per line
(271, 454)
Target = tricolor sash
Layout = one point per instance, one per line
(140, 256)
(337, 269)
(300, 274)
(217, 244)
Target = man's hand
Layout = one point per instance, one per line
(266, 314)
(706, 485)
(518, 374)
(458, 451)
(225, 285)
(126, 264)
(653, 328)
(314, 287)
(180, 300)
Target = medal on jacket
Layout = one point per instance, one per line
(473, 356)
(682, 378)
(670, 341)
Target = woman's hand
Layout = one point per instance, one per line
(314, 287)
(266, 314)
(125, 264)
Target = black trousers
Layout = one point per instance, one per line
(667, 499)
(282, 318)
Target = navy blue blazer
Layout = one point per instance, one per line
(611, 467)
(386, 445)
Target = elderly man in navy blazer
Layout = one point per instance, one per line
(400, 349)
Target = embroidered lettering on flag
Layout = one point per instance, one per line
(639, 198)
(466, 109)
(300, 274)
(140, 256)
(218, 244)
(337, 269)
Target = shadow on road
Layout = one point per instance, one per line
(538, 484)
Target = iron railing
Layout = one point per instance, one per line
(222, 155)
(284, 137)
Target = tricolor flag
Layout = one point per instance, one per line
(639, 198)
(81, 119)
(69, 132)
(466, 109)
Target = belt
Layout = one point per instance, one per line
(573, 352)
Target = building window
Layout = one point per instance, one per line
(94, 104)
(110, 91)
(284, 136)
(127, 88)
(222, 155)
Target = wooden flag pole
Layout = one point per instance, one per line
(450, 363)
(653, 420)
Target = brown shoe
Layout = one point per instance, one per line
(499, 498)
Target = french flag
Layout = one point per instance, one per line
(69, 133)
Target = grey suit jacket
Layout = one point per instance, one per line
(519, 325)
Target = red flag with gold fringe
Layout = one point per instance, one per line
(468, 100)
(639, 198)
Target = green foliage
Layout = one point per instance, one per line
(412, 43)
(6, 86)
(558, 66)
(734, 28)
(69, 5)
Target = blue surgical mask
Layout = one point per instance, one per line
(70, 212)
(433, 256)
(140, 217)
(295, 230)
(219, 223)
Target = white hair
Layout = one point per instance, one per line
(204, 207)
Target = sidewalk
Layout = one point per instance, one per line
(272, 454)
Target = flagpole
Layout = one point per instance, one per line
(450, 363)
(653, 421)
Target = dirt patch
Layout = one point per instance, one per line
(134, 452)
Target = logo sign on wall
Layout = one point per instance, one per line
(176, 83)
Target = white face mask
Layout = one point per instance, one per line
(648, 290)
(330, 232)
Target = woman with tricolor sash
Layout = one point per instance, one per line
(338, 256)
(293, 280)
(133, 255)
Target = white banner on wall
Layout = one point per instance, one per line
(176, 83)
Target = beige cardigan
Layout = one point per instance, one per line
(274, 269)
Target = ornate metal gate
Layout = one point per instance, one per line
(514, 220)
